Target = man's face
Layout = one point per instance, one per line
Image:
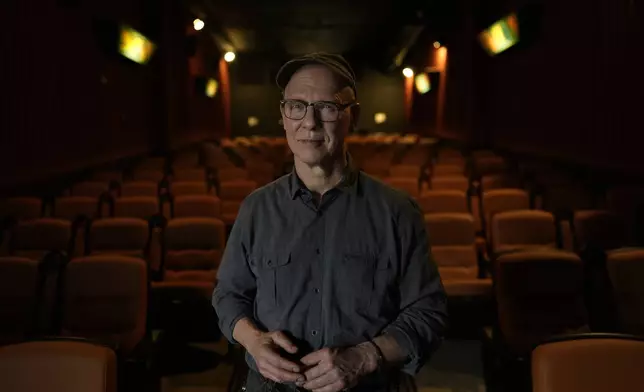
(313, 139)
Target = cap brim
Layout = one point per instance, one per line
(286, 72)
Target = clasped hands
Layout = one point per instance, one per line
(326, 370)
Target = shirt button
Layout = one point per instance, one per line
(318, 251)
(317, 291)
(314, 332)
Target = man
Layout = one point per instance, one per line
(327, 280)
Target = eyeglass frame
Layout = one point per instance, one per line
(341, 107)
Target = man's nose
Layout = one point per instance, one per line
(310, 119)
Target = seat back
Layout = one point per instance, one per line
(588, 364)
(599, 228)
(182, 188)
(502, 200)
(35, 238)
(140, 188)
(539, 294)
(405, 171)
(194, 243)
(407, 185)
(232, 174)
(523, 229)
(443, 201)
(57, 366)
(452, 237)
(125, 236)
(197, 206)
(141, 207)
(458, 183)
(21, 208)
(74, 207)
(105, 299)
(19, 278)
(626, 272)
(236, 190)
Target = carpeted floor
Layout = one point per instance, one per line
(456, 367)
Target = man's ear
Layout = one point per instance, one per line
(355, 115)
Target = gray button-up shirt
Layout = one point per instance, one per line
(335, 273)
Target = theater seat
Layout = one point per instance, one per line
(93, 189)
(197, 206)
(57, 366)
(452, 237)
(443, 201)
(523, 229)
(501, 200)
(589, 363)
(124, 236)
(35, 238)
(443, 170)
(73, 207)
(21, 208)
(599, 228)
(232, 174)
(539, 294)
(193, 249)
(105, 298)
(140, 188)
(626, 272)
(407, 185)
(405, 171)
(181, 188)
(232, 193)
(18, 298)
(142, 207)
(458, 183)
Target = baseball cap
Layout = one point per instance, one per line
(335, 62)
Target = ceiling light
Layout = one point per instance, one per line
(198, 24)
(253, 121)
(408, 72)
(229, 56)
(437, 44)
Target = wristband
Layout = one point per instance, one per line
(381, 358)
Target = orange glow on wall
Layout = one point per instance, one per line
(409, 96)
(441, 58)
(441, 65)
(224, 81)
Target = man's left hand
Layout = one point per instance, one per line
(335, 369)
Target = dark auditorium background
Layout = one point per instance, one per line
(121, 179)
(575, 94)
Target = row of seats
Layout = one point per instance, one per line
(578, 363)
(101, 297)
(58, 366)
(192, 243)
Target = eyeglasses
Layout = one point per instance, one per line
(325, 111)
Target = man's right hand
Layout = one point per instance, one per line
(264, 348)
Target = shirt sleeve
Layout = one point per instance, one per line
(422, 320)
(234, 293)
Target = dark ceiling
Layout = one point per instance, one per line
(377, 32)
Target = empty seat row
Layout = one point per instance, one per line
(102, 297)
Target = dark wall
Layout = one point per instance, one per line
(69, 104)
(379, 92)
(575, 92)
(254, 93)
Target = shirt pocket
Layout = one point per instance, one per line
(273, 273)
(360, 280)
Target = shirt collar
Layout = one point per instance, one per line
(349, 182)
